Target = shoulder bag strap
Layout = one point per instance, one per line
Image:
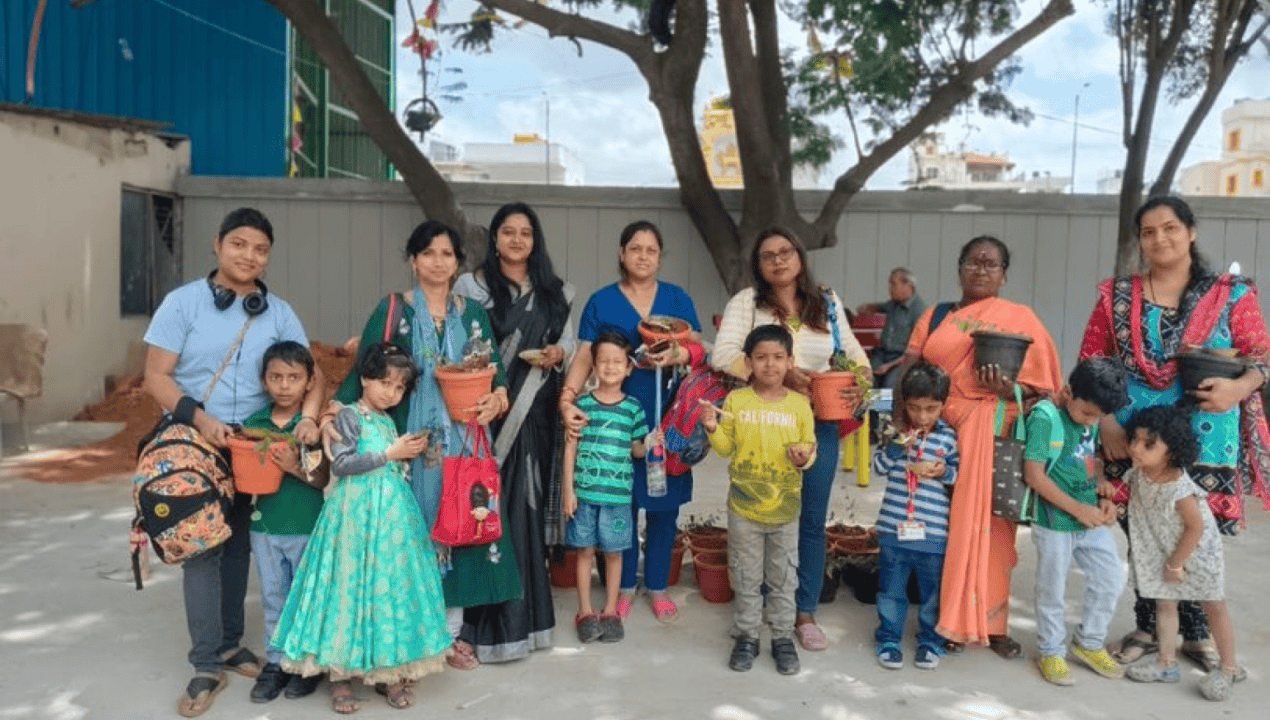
(238, 341)
(390, 321)
(832, 305)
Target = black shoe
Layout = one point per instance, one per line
(269, 683)
(301, 686)
(743, 653)
(786, 656)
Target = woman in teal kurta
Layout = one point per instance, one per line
(433, 325)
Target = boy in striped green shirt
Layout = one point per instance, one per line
(598, 476)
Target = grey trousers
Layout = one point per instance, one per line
(758, 555)
(215, 585)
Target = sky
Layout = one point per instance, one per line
(598, 104)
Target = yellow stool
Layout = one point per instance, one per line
(857, 444)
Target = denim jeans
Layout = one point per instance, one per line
(1094, 552)
(895, 564)
(762, 555)
(215, 584)
(277, 557)
(817, 484)
(659, 533)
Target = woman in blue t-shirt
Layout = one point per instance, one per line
(191, 373)
(620, 307)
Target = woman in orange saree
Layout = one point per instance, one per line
(975, 592)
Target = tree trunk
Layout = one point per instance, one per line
(430, 190)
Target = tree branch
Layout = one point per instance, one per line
(943, 100)
(574, 25)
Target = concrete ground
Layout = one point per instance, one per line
(77, 641)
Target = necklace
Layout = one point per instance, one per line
(1155, 299)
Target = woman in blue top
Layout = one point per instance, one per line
(620, 307)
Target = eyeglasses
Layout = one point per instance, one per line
(781, 255)
(988, 266)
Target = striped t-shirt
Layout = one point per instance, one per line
(930, 502)
(602, 473)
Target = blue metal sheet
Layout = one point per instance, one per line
(215, 69)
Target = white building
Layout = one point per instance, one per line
(1245, 157)
(527, 159)
(931, 167)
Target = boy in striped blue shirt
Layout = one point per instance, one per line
(920, 467)
(598, 476)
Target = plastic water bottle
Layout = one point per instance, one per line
(656, 462)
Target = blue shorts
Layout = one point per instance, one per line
(607, 527)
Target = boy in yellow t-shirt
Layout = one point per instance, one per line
(769, 433)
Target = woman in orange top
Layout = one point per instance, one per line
(975, 592)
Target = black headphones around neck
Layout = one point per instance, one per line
(254, 303)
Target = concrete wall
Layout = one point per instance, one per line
(340, 242)
(59, 244)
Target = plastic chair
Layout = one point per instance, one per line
(21, 370)
(856, 445)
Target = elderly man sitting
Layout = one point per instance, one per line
(901, 312)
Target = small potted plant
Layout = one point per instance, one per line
(465, 382)
(251, 451)
(826, 387)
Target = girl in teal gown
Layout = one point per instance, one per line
(366, 601)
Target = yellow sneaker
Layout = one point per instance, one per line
(1054, 669)
(1099, 661)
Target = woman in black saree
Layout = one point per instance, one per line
(528, 306)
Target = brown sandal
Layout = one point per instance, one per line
(200, 693)
(343, 701)
(1005, 646)
(398, 695)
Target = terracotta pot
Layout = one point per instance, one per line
(462, 388)
(255, 472)
(713, 580)
(564, 572)
(656, 328)
(709, 543)
(829, 588)
(825, 399)
(677, 559)
(1006, 350)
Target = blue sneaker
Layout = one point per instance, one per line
(926, 659)
(890, 657)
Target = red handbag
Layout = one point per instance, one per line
(470, 489)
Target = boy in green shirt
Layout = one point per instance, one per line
(283, 521)
(769, 433)
(1072, 524)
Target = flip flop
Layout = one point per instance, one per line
(1132, 648)
(1005, 646)
(1206, 657)
(242, 661)
(664, 609)
(624, 604)
(811, 637)
(200, 693)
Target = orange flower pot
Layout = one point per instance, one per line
(462, 388)
(677, 559)
(656, 328)
(255, 472)
(825, 397)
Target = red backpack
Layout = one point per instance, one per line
(686, 441)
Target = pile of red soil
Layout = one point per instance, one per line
(130, 404)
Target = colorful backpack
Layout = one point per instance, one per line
(182, 491)
(686, 441)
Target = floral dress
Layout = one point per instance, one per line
(1155, 527)
(366, 601)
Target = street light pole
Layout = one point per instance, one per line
(1075, 126)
